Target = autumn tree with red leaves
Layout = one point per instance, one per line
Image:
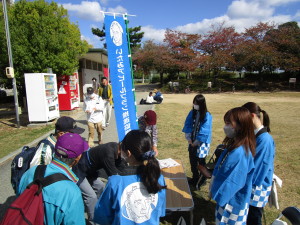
(218, 46)
(184, 50)
(254, 53)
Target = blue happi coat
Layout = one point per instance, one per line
(126, 201)
(231, 186)
(203, 135)
(264, 169)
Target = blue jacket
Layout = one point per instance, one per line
(204, 133)
(232, 180)
(63, 202)
(264, 169)
(125, 200)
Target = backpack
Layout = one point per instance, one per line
(28, 208)
(21, 162)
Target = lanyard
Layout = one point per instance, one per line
(224, 158)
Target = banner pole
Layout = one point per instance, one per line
(130, 61)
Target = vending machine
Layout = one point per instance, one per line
(68, 92)
(41, 94)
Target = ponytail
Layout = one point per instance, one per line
(139, 143)
(266, 120)
(149, 172)
(254, 108)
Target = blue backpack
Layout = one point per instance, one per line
(21, 162)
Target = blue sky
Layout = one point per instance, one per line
(190, 16)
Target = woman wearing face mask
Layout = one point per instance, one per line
(139, 197)
(232, 177)
(263, 161)
(198, 129)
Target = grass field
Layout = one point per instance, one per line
(284, 111)
(12, 138)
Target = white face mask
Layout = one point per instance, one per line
(92, 96)
(229, 131)
(196, 107)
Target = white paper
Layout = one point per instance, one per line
(166, 163)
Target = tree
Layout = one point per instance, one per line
(219, 44)
(153, 57)
(286, 40)
(42, 36)
(135, 36)
(254, 53)
(183, 48)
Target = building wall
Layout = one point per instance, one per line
(91, 65)
(87, 76)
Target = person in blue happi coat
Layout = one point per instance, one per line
(198, 131)
(232, 176)
(264, 163)
(138, 196)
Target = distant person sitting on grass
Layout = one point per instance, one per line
(158, 97)
(149, 99)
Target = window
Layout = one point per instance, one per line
(99, 67)
(88, 64)
(95, 66)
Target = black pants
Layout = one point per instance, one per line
(194, 161)
(254, 215)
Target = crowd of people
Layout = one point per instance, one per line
(135, 192)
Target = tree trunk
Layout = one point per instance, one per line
(161, 74)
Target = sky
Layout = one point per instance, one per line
(189, 16)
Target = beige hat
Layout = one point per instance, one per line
(155, 90)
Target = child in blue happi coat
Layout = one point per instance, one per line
(198, 129)
(263, 161)
(232, 176)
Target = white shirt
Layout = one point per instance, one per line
(149, 99)
(93, 106)
(258, 129)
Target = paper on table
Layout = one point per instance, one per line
(166, 163)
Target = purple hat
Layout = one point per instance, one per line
(70, 145)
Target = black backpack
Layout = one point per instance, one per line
(28, 208)
(21, 163)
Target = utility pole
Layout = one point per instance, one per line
(11, 61)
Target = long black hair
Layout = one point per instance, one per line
(254, 108)
(139, 143)
(200, 100)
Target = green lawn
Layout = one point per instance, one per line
(283, 109)
(12, 138)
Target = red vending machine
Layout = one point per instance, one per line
(68, 92)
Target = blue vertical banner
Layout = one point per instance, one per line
(120, 74)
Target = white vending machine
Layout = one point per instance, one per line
(42, 97)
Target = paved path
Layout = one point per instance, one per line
(110, 134)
